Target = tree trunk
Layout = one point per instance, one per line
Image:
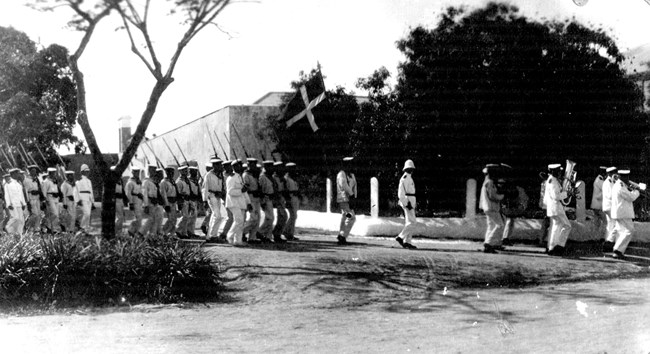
(108, 207)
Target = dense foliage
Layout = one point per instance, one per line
(65, 270)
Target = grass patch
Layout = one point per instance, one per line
(64, 270)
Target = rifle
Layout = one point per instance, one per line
(181, 150)
(240, 141)
(211, 141)
(42, 156)
(272, 156)
(225, 155)
(60, 158)
(158, 162)
(171, 152)
(23, 157)
(229, 144)
(5, 155)
(11, 155)
(29, 158)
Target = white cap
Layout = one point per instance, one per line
(603, 167)
(611, 169)
(69, 172)
(112, 168)
(278, 163)
(408, 164)
(136, 168)
(84, 168)
(152, 165)
(184, 167)
(554, 166)
(51, 169)
(348, 158)
(12, 170)
(208, 164)
(290, 164)
(623, 172)
(193, 167)
(506, 165)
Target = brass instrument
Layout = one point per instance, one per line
(569, 182)
(641, 187)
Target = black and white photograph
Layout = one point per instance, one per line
(325, 176)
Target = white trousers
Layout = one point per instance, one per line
(236, 229)
(16, 221)
(410, 225)
(624, 230)
(494, 231)
(560, 229)
(611, 228)
(86, 207)
(215, 217)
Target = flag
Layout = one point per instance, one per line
(305, 100)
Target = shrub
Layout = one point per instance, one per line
(68, 270)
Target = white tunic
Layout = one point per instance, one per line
(14, 195)
(85, 189)
(622, 201)
(234, 196)
(597, 195)
(406, 190)
(553, 195)
(607, 194)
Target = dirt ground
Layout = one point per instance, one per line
(373, 296)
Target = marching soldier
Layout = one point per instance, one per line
(237, 202)
(280, 202)
(183, 188)
(212, 191)
(133, 192)
(250, 181)
(169, 194)
(70, 199)
(560, 225)
(206, 220)
(15, 203)
(159, 210)
(120, 201)
(151, 202)
(608, 184)
(51, 192)
(227, 172)
(293, 204)
(266, 201)
(87, 199)
(195, 199)
(622, 211)
(35, 198)
(346, 193)
(490, 203)
(597, 199)
(406, 195)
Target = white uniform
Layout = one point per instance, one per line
(253, 223)
(211, 192)
(597, 202)
(490, 203)
(70, 200)
(15, 202)
(607, 206)
(51, 192)
(33, 190)
(293, 204)
(86, 197)
(622, 213)
(406, 195)
(560, 225)
(135, 197)
(236, 202)
(346, 188)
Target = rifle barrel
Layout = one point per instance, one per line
(225, 155)
(181, 150)
(171, 152)
(241, 142)
(230, 145)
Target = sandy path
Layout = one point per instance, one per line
(317, 297)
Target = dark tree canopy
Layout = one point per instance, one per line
(37, 95)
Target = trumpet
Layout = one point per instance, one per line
(641, 187)
(569, 183)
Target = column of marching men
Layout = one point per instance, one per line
(51, 202)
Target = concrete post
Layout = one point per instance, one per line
(470, 199)
(581, 208)
(374, 197)
(328, 197)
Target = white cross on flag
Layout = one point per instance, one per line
(305, 100)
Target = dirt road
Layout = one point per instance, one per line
(314, 296)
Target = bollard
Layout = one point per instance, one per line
(374, 197)
(470, 199)
(581, 208)
(328, 197)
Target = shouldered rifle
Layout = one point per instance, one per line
(171, 152)
(42, 156)
(229, 144)
(11, 155)
(158, 162)
(241, 142)
(212, 142)
(181, 150)
(225, 155)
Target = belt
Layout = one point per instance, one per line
(88, 192)
(119, 195)
(171, 199)
(410, 194)
(139, 195)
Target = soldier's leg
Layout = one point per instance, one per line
(281, 221)
(11, 226)
(267, 225)
(410, 223)
(205, 225)
(565, 229)
(159, 212)
(119, 216)
(86, 208)
(494, 229)
(228, 224)
(215, 216)
(624, 230)
(234, 235)
(147, 220)
(182, 223)
(290, 229)
(611, 228)
(37, 214)
(349, 223)
(192, 211)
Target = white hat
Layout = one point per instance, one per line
(33, 166)
(603, 167)
(194, 167)
(51, 169)
(235, 162)
(12, 170)
(171, 166)
(136, 168)
(290, 164)
(152, 165)
(278, 163)
(69, 172)
(112, 168)
(506, 165)
(184, 167)
(267, 162)
(611, 169)
(408, 164)
(208, 164)
(348, 159)
(251, 159)
(488, 167)
(84, 168)
(623, 172)
(554, 166)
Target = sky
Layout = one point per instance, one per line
(261, 46)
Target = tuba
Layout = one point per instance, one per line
(569, 184)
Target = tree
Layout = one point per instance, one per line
(494, 86)
(37, 95)
(196, 14)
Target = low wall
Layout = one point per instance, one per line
(454, 228)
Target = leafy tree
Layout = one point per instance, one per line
(135, 17)
(37, 95)
(494, 86)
